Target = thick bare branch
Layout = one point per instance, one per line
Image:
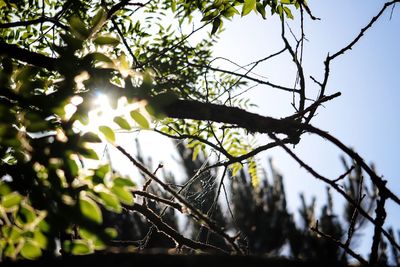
(26, 56)
(32, 22)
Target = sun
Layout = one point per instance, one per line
(103, 114)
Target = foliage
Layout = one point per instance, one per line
(46, 189)
(74, 74)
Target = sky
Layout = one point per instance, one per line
(364, 117)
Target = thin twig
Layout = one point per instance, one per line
(340, 244)
(212, 225)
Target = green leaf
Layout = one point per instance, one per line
(123, 194)
(111, 202)
(25, 215)
(90, 137)
(11, 233)
(248, 6)
(106, 40)
(102, 171)
(122, 123)
(216, 24)
(99, 57)
(124, 182)
(88, 235)
(98, 18)
(196, 151)
(173, 5)
(287, 2)
(90, 209)
(140, 119)
(77, 247)
(78, 28)
(261, 9)
(108, 133)
(40, 239)
(88, 153)
(111, 232)
(230, 12)
(288, 12)
(73, 167)
(210, 16)
(4, 189)
(30, 250)
(11, 200)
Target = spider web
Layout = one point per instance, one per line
(200, 189)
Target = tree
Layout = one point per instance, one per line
(57, 57)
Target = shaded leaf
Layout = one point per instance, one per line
(90, 137)
(98, 18)
(106, 40)
(78, 28)
(216, 24)
(88, 153)
(100, 57)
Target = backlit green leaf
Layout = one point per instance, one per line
(248, 6)
(77, 247)
(111, 202)
(31, 250)
(90, 210)
(288, 12)
(108, 133)
(11, 200)
(140, 119)
(124, 182)
(123, 194)
(122, 123)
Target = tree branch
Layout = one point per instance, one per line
(29, 57)
(31, 22)
(245, 77)
(168, 230)
(200, 216)
(363, 30)
(189, 109)
(340, 244)
(338, 189)
(379, 221)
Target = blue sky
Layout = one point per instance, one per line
(365, 117)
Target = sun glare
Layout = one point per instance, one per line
(103, 114)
